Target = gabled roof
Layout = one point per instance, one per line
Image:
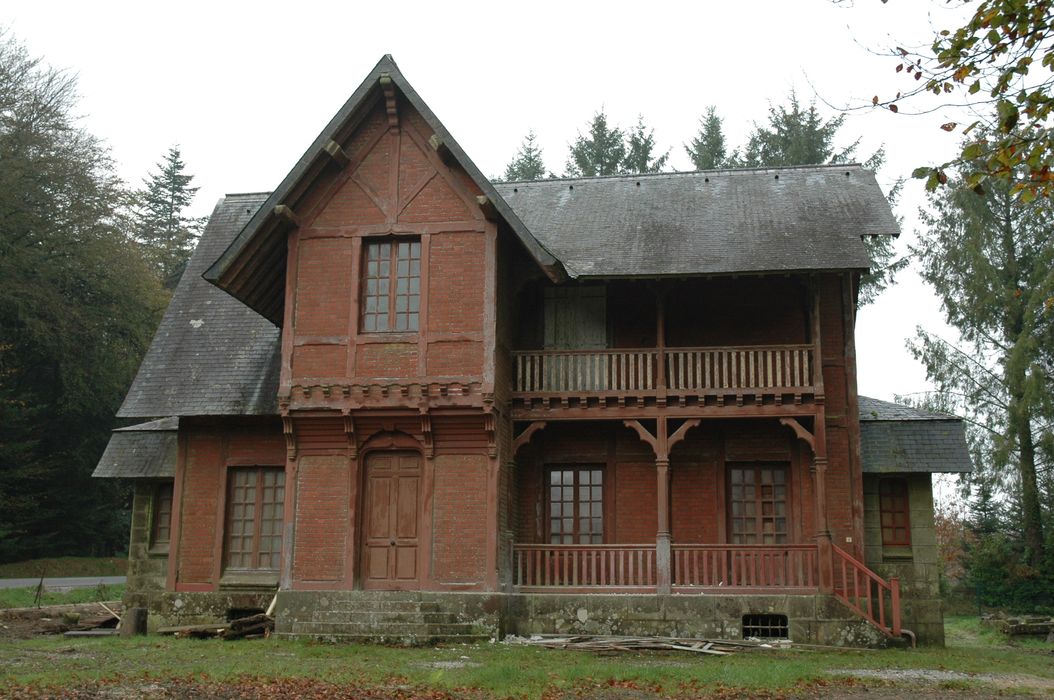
(708, 222)
(252, 268)
(211, 354)
(901, 439)
(147, 450)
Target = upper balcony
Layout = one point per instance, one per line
(691, 344)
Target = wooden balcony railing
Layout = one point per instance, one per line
(867, 593)
(584, 566)
(680, 370)
(748, 566)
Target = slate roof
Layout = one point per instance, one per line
(899, 439)
(707, 222)
(212, 355)
(147, 450)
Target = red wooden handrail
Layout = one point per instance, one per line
(584, 565)
(745, 565)
(864, 592)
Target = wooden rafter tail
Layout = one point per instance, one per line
(440, 147)
(338, 154)
(286, 214)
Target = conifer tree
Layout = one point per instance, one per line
(167, 235)
(527, 164)
(602, 152)
(640, 145)
(707, 150)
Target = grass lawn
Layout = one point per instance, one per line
(58, 667)
(25, 597)
(65, 566)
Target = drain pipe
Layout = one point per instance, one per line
(910, 636)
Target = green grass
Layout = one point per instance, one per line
(494, 669)
(25, 597)
(65, 566)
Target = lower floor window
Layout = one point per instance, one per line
(576, 505)
(255, 498)
(758, 501)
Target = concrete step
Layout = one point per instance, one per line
(382, 616)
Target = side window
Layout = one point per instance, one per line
(253, 533)
(576, 505)
(758, 504)
(893, 510)
(161, 524)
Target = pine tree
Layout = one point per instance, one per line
(167, 235)
(527, 164)
(639, 147)
(707, 150)
(600, 153)
(796, 136)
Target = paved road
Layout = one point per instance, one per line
(62, 584)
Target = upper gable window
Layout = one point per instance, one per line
(391, 286)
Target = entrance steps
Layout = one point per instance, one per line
(407, 618)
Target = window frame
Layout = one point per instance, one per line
(391, 282)
(576, 533)
(905, 510)
(258, 519)
(759, 516)
(163, 492)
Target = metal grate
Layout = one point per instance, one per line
(765, 626)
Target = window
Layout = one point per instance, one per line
(161, 527)
(758, 499)
(576, 505)
(391, 286)
(255, 497)
(893, 509)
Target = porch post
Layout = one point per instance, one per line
(662, 538)
(819, 484)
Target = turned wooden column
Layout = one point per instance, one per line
(663, 579)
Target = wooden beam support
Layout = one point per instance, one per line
(286, 214)
(426, 436)
(799, 430)
(644, 434)
(338, 154)
(290, 437)
(679, 434)
(390, 105)
(525, 437)
(349, 432)
(440, 147)
(487, 206)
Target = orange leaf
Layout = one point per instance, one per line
(894, 109)
(950, 126)
(874, 100)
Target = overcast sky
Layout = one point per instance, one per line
(244, 88)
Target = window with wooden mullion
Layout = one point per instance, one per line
(576, 505)
(162, 516)
(391, 286)
(893, 510)
(255, 499)
(758, 504)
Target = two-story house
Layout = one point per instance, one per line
(420, 405)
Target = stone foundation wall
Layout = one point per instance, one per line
(147, 566)
(168, 609)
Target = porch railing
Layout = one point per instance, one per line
(584, 566)
(867, 593)
(747, 566)
(717, 369)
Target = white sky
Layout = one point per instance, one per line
(244, 88)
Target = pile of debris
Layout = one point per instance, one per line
(248, 627)
(80, 619)
(1028, 625)
(713, 647)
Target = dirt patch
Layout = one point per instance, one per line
(25, 623)
(926, 676)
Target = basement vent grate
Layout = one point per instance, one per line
(764, 626)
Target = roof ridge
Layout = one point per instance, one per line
(683, 173)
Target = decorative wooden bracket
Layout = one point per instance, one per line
(487, 207)
(338, 154)
(525, 437)
(662, 443)
(644, 434)
(680, 433)
(286, 214)
(426, 436)
(389, 101)
(489, 428)
(799, 430)
(440, 147)
(349, 431)
(290, 438)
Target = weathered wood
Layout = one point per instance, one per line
(440, 147)
(107, 632)
(338, 154)
(286, 214)
(133, 622)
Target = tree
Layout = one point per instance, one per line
(167, 235)
(640, 144)
(527, 163)
(602, 152)
(1001, 62)
(77, 310)
(707, 150)
(990, 258)
(795, 135)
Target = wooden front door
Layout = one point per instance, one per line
(392, 515)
